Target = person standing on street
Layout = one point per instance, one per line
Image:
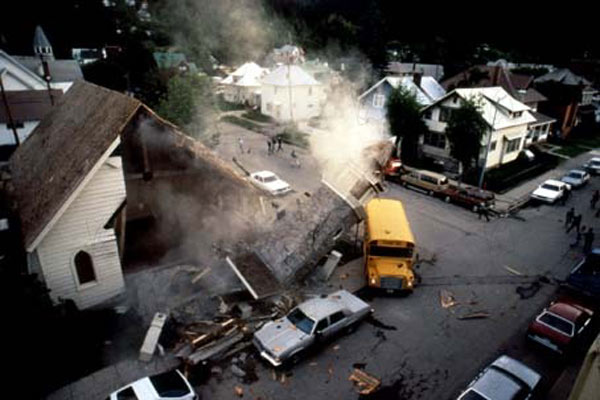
(595, 198)
(279, 143)
(483, 211)
(241, 142)
(270, 150)
(565, 197)
(588, 240)
(576, 223)
(578, 237)
(569, 216)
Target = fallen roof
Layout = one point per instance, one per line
(295, 76)
(255, 275)
(28, 105)
(63, 149)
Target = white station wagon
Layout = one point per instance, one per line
(550, 191)
(269, 182)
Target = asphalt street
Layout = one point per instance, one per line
(416, 347)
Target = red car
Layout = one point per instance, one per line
(560, 326)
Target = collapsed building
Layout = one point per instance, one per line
(103, 178)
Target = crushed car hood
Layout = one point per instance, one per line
(280, 335)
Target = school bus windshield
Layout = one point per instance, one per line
(394, 252)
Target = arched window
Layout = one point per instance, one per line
(84, 267)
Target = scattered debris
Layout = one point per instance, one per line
(242, 310)
(332, 261)
(447, 299)
(151, 339)
(201, 275)
(238, 391)
(512, 270)
(214, 350)
(526, 292)
(359, 365)
(255, 275)
(237, 371)
(364, 383)
(216, 370)
(336, 347)
(474, 315)
(313, 364)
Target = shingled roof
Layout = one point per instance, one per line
(28, 105)
(64, 148)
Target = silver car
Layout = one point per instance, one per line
(504, 379)
(314, 320)
(576, 178)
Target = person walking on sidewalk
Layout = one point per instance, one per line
(578, 238)
(588, 239)
(569, 216)
(595, 198)
(576, 223)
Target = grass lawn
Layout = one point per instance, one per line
(588, 142)
(244, 123)
(257, 116)
(571, 150)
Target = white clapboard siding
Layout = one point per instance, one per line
(81, 227)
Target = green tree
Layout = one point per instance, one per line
(188, 103)
(465, 131)
(404, 118)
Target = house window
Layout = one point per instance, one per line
(493, 146)
(513, 145)
(428, 114)
(378, 100)
(84, 267)
(435, 139)
(445, 114)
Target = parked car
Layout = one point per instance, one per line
(504, 379)
(313, 321)
(170, 385)
(393, 169)
(550, 191)
(471, 198)
(431, 182)
(269, 182)
(576, 178)
(593, 166)
(560, 326)
(585, 276)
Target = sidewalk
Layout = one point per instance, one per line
(100, 384)
(520, 194)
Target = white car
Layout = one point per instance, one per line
(593, 165)
(270, 183)
(550, 191)
(576, 178)
(170, 385)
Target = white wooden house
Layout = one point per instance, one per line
(70, 193)
(290, 94)
(243, 85)
(507, 119)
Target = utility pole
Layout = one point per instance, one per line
(7, 107)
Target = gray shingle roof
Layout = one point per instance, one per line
(564, 76)
(60, 70)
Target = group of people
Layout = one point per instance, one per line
(274, 144)
(573, 221)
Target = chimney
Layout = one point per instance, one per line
(417, 78)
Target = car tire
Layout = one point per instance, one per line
(447, 199)
(350, 328)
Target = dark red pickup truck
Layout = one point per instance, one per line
(471, 198)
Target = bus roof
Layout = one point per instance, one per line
(386, 220)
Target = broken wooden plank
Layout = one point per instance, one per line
(475, 315)
(447, 299)
(201, 275)
(366, 383)
(214, 349)
(512, 271)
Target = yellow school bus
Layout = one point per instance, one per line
(389, 246)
